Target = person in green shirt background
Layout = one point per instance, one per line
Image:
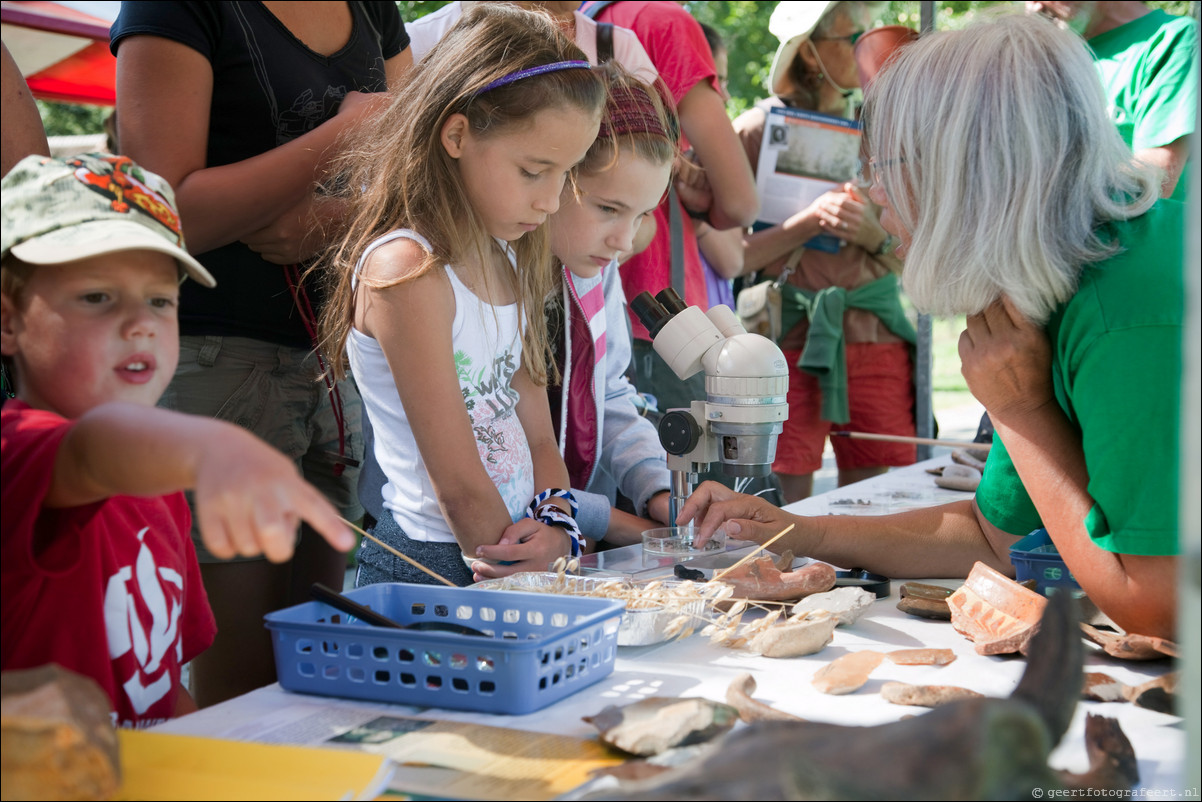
(1148, 62)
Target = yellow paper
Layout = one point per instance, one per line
(158, 766)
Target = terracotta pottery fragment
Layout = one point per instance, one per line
(901, 693)
(760, 579)
(738, 696)
(921, 657)
(1158, 694)
(1101, 687)
(845, 604)
(995, 612)
(653, 725)
(848, 673)
(1131, 647)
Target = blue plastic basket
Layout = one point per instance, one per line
(539, 648)
(1036, 557)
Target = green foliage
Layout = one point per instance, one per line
(69, 119)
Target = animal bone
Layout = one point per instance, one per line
(738, 695)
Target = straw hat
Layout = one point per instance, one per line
(792, 22)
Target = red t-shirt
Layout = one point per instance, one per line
(677, 47)
(110, 590)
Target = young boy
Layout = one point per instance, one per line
(99, 572)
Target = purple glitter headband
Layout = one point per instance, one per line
(532, 71)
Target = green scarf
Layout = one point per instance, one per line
(825, 353)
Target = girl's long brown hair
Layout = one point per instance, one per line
(398, 175)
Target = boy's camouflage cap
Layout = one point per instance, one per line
(60, 210)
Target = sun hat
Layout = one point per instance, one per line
(61, 210)
(791, 22)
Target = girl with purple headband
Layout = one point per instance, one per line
(437, 292)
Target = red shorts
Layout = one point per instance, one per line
(880, 390)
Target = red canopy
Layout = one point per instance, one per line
(62, 51)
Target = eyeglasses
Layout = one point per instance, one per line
(850, 38)
(867, 173)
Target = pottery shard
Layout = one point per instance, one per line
(58, 737)
(848, 673)
(921, 657)
(762, 580)
(794, 639)
(1159, 694)
(1099, 687)
(1129, 646)
(925, 601)
(901, 693)
(995, 612)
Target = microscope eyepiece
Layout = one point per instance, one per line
(650, 312)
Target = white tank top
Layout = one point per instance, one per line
(488, 352)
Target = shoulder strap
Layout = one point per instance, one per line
(676, 232)
(605, 42)
(596, 8)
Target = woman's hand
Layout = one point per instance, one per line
(529, 545)
(743, 517)
(1006, 361)
(692, 184)
(843, 213)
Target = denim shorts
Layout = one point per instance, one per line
(377, 564)
(276, 393)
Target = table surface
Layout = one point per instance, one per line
(695, 667)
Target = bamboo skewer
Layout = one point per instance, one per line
(919, 441)
(754, 552)
(404, 557)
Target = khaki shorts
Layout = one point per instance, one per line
(276, 393)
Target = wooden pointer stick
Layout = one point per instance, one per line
(920, 441)
(404, 557)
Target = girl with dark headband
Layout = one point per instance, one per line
(607, 445)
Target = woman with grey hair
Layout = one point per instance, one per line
(1016, 203)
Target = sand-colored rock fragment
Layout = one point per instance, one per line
(921, 657)
(795, 638)
(847, 674)
(58, 737)
(901, 693)
(845, 604)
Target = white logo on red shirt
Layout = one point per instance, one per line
(151, 680)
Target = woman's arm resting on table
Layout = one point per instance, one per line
(942, 541)
(1007, 363)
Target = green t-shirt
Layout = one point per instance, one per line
(1116, 369)
(1149, 69)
